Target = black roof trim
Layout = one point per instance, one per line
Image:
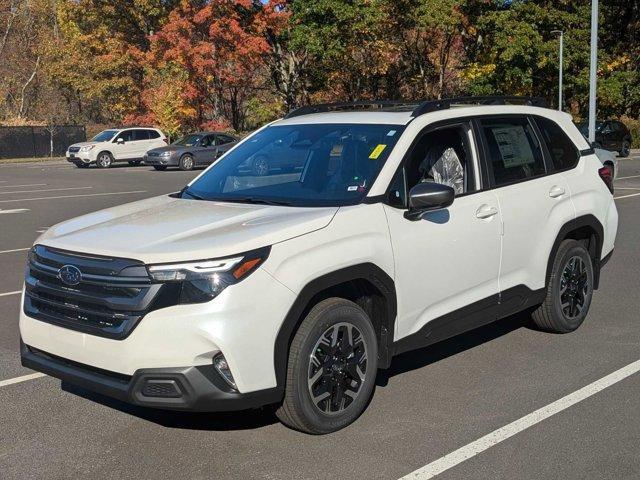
(417, 108)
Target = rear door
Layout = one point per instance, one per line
(224, 143)
(155, 139)
(534, 201)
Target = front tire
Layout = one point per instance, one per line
(331, 370)
(569, 291)
(104, 160)
(186, 163)
(135, 163)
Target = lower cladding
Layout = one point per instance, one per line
(196, 388)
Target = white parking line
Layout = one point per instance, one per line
(627, 188)
(15, 210)
(25, 185)
(24, 378)
(474, 448)
(14, 250)
(44, 190)
(6, 294)
(73, 196)
(630, 176)
(626, 196)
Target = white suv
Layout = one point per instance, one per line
(116, 145)
(406, 225)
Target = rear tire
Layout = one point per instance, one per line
(160, 168)
(625, 149)
(104, 160)
(569, 291)
(331, 370)
(186, 163)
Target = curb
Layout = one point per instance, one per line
(18, 161)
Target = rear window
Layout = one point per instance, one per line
(564, 153)
(140, 135)
(514, 150)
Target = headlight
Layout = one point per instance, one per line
(165, 154)
(201, 281)
(86, 148)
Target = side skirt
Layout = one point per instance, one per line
(470, 317)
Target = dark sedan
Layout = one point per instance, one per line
(196, 149)
(611, 135)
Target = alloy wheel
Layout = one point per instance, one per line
(574, 287)
(104, 160)
(337, 368)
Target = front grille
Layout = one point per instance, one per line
(74, 149)
(111, 298)
(153, 154)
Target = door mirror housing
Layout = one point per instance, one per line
(428, 196)
(120, 141)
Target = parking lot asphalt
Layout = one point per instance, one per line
(429, 404)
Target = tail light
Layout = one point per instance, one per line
(606, 174)
(165, 140)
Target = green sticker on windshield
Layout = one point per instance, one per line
(375, 153)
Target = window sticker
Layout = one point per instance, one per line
(375, 153)
(391, 133)
(514, 146)
(352, 188)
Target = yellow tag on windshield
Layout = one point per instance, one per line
(375, 153)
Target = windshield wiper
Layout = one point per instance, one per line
(261, 201)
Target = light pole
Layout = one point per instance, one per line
(592, 70)
(560, 67)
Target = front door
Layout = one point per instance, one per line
(450, 258)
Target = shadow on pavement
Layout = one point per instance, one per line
(217, 421)
(415, 359)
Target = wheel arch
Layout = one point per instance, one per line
(586, 228)
(365, 284)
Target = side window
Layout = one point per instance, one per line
(140, 135)
(222, 139)
(514, 151)
(442, 156)
(126, 135)
(208, 141)
(153, 134)
(564, 153)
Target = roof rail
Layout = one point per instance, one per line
(445, 103)
(363, 104)
(416, 107)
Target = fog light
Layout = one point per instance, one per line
(223, 369)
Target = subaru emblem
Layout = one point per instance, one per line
(70, 275)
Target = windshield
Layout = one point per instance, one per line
(300, 165)
(188, 141)
(104, 136)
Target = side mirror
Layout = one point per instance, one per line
(120, 141)
(428, 196)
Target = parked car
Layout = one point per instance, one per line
(196, 149)
(403, 228)
(285, 154)
(611, 135)
(116, 145)
(608, 159)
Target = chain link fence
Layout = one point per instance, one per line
(34, 142)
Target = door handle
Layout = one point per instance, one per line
(556, 191)
(486, 211)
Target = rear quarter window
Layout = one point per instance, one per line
(564, 153)
(153, 134)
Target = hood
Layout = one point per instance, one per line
(83, 144)
(168, 148)
(166, 229)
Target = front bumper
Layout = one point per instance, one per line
(77, 158)
(196, 388)
(171, 161)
